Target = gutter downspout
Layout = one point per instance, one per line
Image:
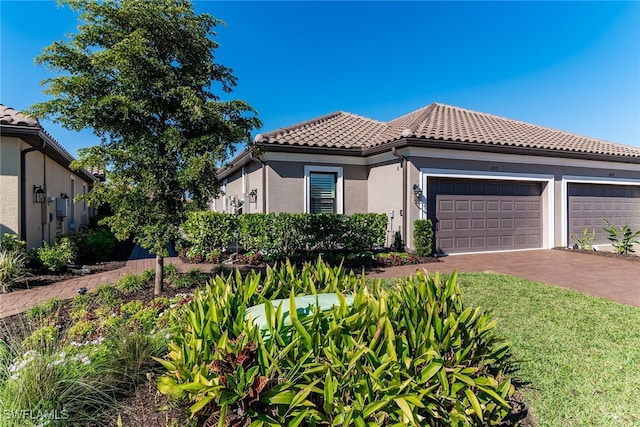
(23, 187)
(404, 192)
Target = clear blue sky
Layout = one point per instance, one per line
(571, 66)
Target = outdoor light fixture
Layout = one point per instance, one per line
(417, 194)
(253, 196)
(64, 196)
(39, 195)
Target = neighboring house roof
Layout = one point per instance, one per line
(9, 116)
(439, 122)
(15, 123)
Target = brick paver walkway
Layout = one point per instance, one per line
(139, 260)
(615, 279)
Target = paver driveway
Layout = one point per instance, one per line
(615, 279)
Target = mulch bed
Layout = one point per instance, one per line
(117, 259)
(607, 254)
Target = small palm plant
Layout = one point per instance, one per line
(622, 239)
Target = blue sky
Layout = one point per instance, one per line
(571, 66)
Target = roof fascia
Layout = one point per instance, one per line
(32, 136)
(245, 157)
(529, 151)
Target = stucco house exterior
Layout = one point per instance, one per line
(36, 185)
(488, 183)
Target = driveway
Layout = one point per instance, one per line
(614, 279)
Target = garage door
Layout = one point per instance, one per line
(476, 216)
(590, 203)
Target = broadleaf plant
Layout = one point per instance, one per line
(622, 239)
(412, 354)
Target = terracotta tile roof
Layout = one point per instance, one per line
(343, 130)
(9, 116)
(447, 123)
(438, 122)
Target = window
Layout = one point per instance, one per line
(323, 192)
(323, 189)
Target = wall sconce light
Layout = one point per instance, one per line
(253, 196)
(39, 195)
(64, 196)
(417, 194)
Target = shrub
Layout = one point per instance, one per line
(423, 236)
(55, 257)
(282, 235)
(82, 330)
(394, 259)
(401, 356)
(130, 283)
(49, 307)
(170, 271)
(148, 275)
(97, 244)
(622, 240)
(210, 231)
(107, 295)
(12, 268)
(11, 243)
(586, 240)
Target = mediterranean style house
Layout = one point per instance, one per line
(488, 183)
(37, 187)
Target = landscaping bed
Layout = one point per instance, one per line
(627, 257)
(140, 405)
(41, 277)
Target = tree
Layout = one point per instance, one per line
(141, 75)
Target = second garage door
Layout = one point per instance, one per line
(485, 215)
(590, 204)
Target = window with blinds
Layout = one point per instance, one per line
(322, 192)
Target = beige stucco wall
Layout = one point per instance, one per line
(44, 172)
(285, 187)
(9, 185)
(385, 195)
(356, 194)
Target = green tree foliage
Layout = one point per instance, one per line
(142, 75)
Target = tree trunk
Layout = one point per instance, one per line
(159, 275)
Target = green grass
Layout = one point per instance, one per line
(578, 354)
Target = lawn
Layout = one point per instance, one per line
(580, 355)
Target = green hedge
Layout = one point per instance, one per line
(284, 233)
(423, 236)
